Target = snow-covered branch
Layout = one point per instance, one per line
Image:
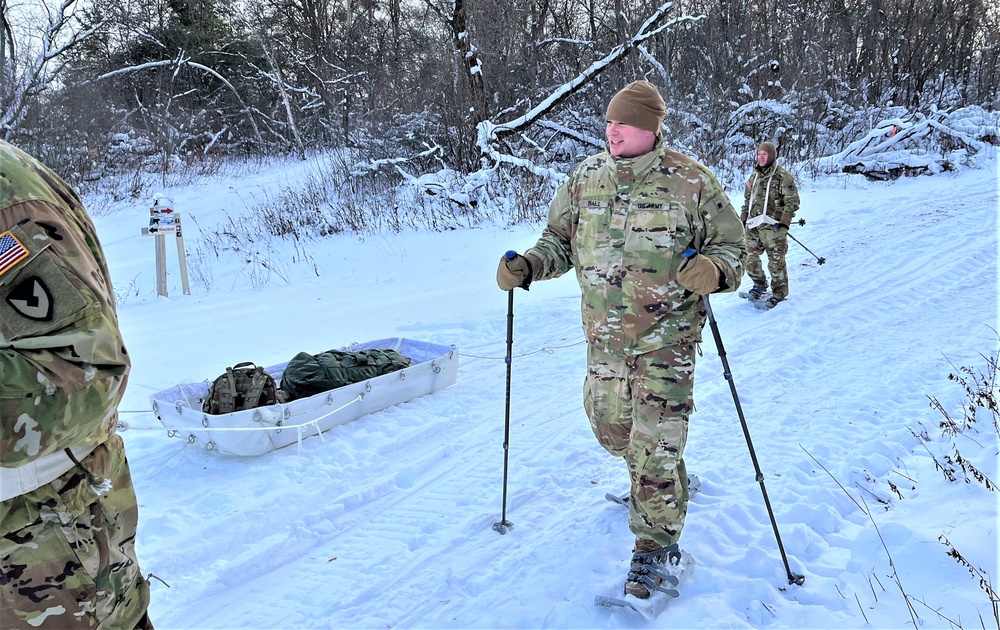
(45, 66)
(177, 64)
(374, 165)
(913, 144)
(572, 133)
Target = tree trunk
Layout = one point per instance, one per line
(470, 62)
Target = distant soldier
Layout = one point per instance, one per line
(68, 512)
(623, 222)
(770, 202)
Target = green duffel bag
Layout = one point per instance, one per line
(308, 374)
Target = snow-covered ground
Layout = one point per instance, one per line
(386, 522)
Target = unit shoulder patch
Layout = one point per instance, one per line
(31, 298)
(36, 295)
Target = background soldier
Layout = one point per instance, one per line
(68, 512)
(770, 202)
(623, 221)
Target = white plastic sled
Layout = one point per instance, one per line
(258, 431)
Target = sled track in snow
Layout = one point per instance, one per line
(404, 516)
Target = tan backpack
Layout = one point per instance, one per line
(243, 386)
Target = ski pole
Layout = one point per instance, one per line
(793, 578)
(818, 259)
(503, 525)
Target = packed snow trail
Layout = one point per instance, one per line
(387, 521)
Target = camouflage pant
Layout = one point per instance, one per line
(67, 556)
(775, 245)
(639, 408)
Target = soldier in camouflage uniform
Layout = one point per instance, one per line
(623, 222)
(68, 512)
(770, 202)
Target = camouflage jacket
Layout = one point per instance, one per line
(63, 365)
(623, 225)
(772, 191)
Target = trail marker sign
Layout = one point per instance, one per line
(163, 220)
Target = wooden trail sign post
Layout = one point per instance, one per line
(162, 221)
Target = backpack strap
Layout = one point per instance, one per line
(231, 401)
(258, 380)
(240, 401)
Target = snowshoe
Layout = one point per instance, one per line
(644, 575)
(755, 294)
(655, 575)
(769, 303)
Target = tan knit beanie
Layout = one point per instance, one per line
(638, 104)
(770, 149)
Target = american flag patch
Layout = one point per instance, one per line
(11, 252)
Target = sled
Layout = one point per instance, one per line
(257, 431)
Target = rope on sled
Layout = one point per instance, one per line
(124, 426)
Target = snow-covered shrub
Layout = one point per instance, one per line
(917, 144)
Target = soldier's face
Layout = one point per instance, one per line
(762, 157)
(628, 141)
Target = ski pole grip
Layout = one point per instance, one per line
(510, 255)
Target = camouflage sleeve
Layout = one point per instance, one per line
(722, 233)
(63, 365)
(789, 196)
(555, 245)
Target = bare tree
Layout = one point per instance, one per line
(472, 84)
(6, 42)
(28, 73)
